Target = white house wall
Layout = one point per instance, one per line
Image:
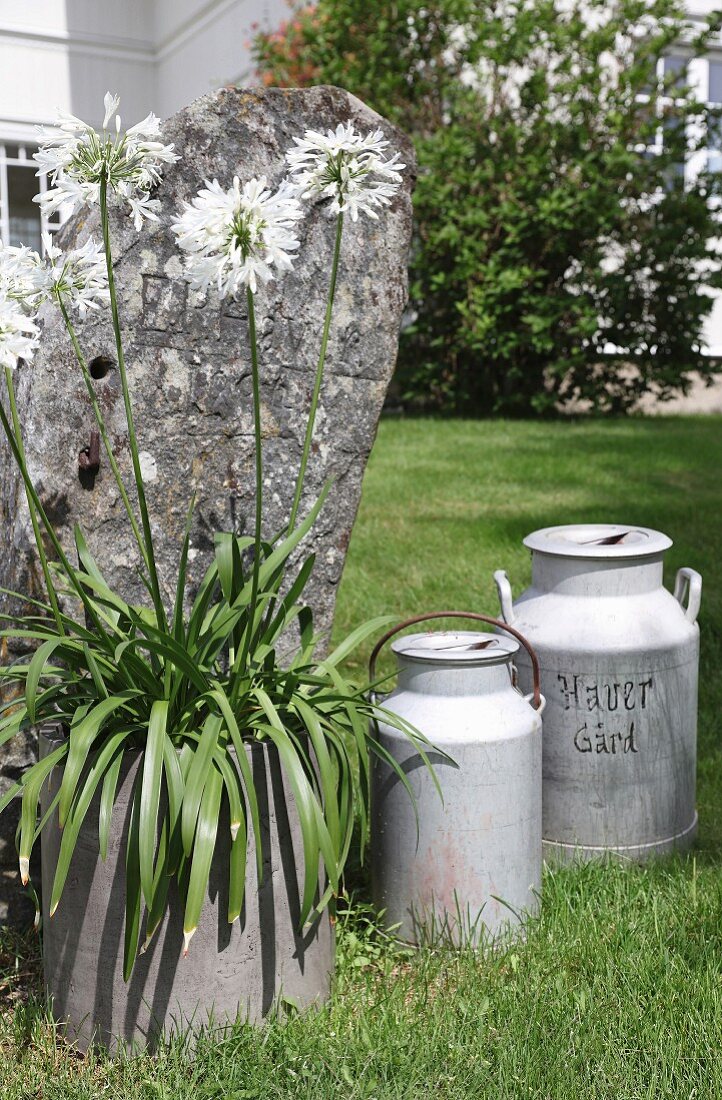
(157, 54)
(200, 46)
(66, 54)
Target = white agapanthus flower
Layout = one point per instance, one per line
(345, 166)
(79, 157)
(79, 277)
(236, 237)
(19, 335)
(22, 275)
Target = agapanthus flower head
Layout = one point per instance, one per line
(346, 166)
(22, 275)
(78, 277)
(78, 158)
(19, 335)
(236, 237)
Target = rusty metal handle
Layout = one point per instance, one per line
(536, 693)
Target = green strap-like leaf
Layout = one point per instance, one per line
(82, 736)
(176, 766)
(326, 771)
(228, 562)
(198, 773)
(199, 610)
(420, 742)
(178, 629)
(107, 801)
(359, 724)
(232, 784)
(166, 647)
(287, 610)
(309, 812)
(150, 794)
(221, 622)
(94, 670)
(161, 882)
(90, 566)
(79, 809)
(237, 872)
(133, 891)
(354, 639)
(203, 848)
(221, 700)
(32, 783)
(35, 671)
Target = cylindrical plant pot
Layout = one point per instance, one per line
(241, 970)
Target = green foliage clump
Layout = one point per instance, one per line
(559, 254)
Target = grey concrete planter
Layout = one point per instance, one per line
(240, 970)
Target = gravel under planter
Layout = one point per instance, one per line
(231, 971)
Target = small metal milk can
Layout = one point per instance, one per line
(619, 661)
(468, 868)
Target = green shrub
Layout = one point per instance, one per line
(547, 233)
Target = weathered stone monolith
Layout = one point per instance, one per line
(189, 366)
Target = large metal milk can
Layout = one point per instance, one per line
(465, 869)
(619, 662)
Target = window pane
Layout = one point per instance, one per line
(675, 66)
(11, 151)
(24, 214)
(715, 82)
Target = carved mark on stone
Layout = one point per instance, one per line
(164, 303)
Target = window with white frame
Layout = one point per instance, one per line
(21, 221)
(672, 72)
(714, 130)
(658, 99)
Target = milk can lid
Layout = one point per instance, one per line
(598, 540)
(454, 646)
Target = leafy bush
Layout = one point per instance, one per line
(559, 254)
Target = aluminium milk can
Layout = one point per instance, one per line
(619, 664)
(472, 869)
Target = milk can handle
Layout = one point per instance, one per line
(506, 602)
(690, 580)
(537, 701)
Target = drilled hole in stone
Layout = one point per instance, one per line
(100, 366)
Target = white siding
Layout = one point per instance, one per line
(157, 54)
(200, 46)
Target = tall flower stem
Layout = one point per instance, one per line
(140, 486)
(18, 454)
(244, 651)
(50, 587)
(100, 420)
(318, 379)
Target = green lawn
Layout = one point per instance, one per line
(617, 990)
